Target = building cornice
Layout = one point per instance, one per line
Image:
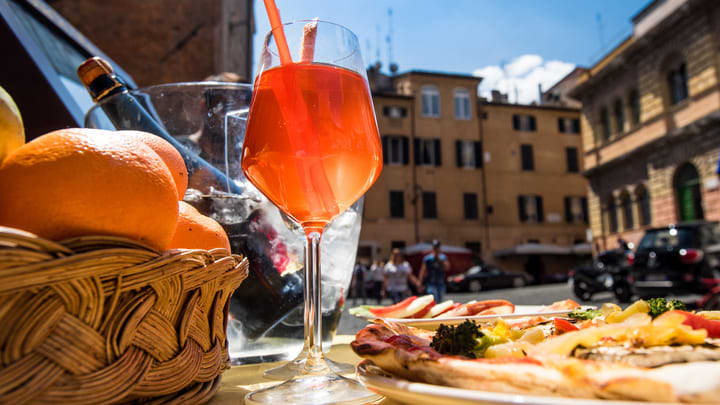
(696, 127)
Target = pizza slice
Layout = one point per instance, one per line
(666, 359)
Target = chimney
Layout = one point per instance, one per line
(540, 94)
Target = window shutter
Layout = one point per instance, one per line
(522, 214)
(561, 124)
(584, 205)
(385, 148)
(458, 153)
(438, 153)
(539, 205)
(405, 150)
(576, 126)
(568, 210)
(386, 110)
(516, 122)
(417, 152)
(403, 112)
(532, 123)
(477, 145)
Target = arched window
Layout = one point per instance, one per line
(634, 102)
(642, 198)
(619, 112)
(430, 101)
(687, 193)
(604, 123)
(676, 76)
(612, 214)
(462, 104)
(627, 210)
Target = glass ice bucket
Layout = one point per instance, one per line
(208, 119)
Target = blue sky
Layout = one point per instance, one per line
(513, 44)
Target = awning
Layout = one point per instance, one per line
(426, 247)
(544, 249)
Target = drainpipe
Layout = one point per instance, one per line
(413, 165)
(486, 219)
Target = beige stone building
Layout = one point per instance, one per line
(650, 123)
(502, 180)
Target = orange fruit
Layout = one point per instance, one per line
(169, 155)
(76, 182)
(196, 231)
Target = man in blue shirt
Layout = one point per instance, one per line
(434, 266)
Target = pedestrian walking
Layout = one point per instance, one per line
(434, 266)
(357, 286)
(374, 281)
(397, 273)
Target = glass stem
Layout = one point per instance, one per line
(313, 303)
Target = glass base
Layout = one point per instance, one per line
(314, 389)
(296, 367)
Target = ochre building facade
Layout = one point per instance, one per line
(491, 177)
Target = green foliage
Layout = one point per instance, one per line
(659, 306)
(584, 314)
(460, 340)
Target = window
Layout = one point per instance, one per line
(634, 102)
(530, 208)
(462, 104)
(397, 204)
(627, 210)
(397, 244)
(470, 202)
(394, 111)
(427, 152)
(523, 122)
(619, 113)
(430, 101)
(612, 215)
(687, 193)
(604, 123)
(395, 150)
(643, 204)
(571, 155)
(576, 210)
(526, 154)
(568, 125)
(429, 208)
(475, 247)
(677, 84)
(469, 154)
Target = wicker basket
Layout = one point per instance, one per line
(96, 320)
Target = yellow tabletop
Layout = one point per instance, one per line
(240, 380)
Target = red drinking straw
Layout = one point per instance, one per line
(314, 181)
(277, 29)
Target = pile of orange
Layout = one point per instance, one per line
(79, 182)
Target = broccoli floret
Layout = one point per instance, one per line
(659, 306)
(584, 314)
(459, 340)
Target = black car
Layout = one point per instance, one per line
(677, 259)
(484, 278)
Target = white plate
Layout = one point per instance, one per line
(380, 382)
(521, 311)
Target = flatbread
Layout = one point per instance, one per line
(406, 352)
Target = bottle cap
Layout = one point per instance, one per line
(92, 68)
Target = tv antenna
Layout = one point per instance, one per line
(598, 18)
(388, 39)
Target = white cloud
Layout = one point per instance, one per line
(523, 64)
(520, 78)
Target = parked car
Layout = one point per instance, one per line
(486, 277)
(606, 272)
(677, 259)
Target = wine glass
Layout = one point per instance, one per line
(312, 148)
